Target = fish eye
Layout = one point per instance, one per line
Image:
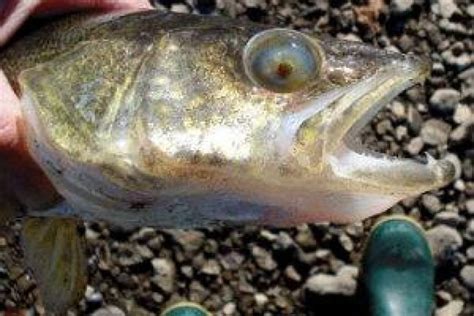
(281, 60)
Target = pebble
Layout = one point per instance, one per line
(463, 114)
(165, 273)
(435, 132)
(470, 253)
(109, 310)
(190, 240)
(431, 203)
(453, 308)
(448, 218)
(470, 206)
(445, 8)
(401, 6)
(229, 309)
(445, 100)
(211, 267)
(467, 276)
(343, 283)
(415, 120)
(415, 146)
(260, 299)
(470, 230)
(443, 241)
(263, 258)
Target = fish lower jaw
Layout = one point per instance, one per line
(372, 171)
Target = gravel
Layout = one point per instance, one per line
(249, 270)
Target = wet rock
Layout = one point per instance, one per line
(470, 230)
(190, 240)
(431, 203)
(453, 308)
(445, 8)
(263, 258)
(435, 132)
(467, 276)
(261, 299)
(445, 100)
(211, 267)
(448, 218)
(109, 310)
(443, 241)
(463, 114)
(343, 283)
(414, 120)
(165, 273)
(415, 146)
(401, 6)
(470, 206)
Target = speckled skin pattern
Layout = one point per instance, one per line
(150, 119)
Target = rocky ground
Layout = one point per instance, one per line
(302, 270)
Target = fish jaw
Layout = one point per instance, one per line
(348, 182)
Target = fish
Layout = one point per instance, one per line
(184, 121)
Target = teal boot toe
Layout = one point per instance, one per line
(398, 270)
(185, 309)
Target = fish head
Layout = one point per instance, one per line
(215, 107)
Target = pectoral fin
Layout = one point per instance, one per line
(55, 252)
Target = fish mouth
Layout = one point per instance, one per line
(348, 159)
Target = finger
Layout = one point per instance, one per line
(10, 113)
(53, 6)
(13, 14)
(17, 169)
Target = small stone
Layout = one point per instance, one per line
(470, 230)
(229, 309)
(398, 109)
(343, 283)
(414, 119)
(179, 8)
(445, 8)
(445, 100)
(448, 218)
(470, 253)
(190, 240)
(470, 206)
(463, 114)
(305, 237)
(109, 310)
(460, 61)
(435, 132)
(401, 6)
(431, 203)
(211, 267)
(292, 274)
(453, 308)
(346, 242)
(467, 276)
(260, 299)
(263, 258)
(415, 146)
(165, 273)
(443, 241)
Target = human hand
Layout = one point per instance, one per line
(20, 177)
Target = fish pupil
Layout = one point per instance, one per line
(284, 70)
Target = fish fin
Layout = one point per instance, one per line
(55, 252)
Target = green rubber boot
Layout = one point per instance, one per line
(398, 270)
(186, 309)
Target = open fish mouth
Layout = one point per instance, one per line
(377, 171)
